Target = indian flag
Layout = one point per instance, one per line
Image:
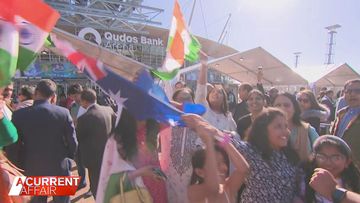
(23, 31)
(34, 26)
(181, 45)
(9, 43)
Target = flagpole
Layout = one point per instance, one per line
(192, 12)
(198, 65)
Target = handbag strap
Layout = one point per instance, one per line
(140, 194)
(134, 185)
(122, 179)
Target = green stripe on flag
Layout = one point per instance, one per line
(163, 75)
(7, 67)
(27, 57)
(194, 48)
(170, 41)
(48, 42)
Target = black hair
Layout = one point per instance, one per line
(350, 82)
(27, 92)
(246, 86)
(88, 95)
(198, 161)
(259, 136)
(75, 89)
(125, 135)
(296, 119)
(46, 88)
(312, 99)
(350, 176)
(178, 91)
(225, 105)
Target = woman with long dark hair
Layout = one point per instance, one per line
(333, 154)
(274, 172)
(217, 108)
(137, 147)
(302, 135)
(312, 111)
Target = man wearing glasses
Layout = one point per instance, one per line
(347, 123)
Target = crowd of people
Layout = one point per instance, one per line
(269, 148)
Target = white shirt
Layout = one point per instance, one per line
(82, 110)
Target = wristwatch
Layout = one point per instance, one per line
(338, 195)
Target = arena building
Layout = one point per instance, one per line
(126, 27)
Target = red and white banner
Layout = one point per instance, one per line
(44, 185)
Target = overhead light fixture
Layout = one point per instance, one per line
(217, 65)
(241, 59)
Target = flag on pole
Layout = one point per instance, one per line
(143, 98)
(34, 26)
(181, 45)
(9, 47)
(23, 31)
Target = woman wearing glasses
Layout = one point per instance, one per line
(311, 111)
(333, 154)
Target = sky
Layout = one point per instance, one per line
(281, 27)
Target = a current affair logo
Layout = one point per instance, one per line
(44, 185)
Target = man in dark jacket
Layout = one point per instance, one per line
(329, 103)
(347, 123)
(241, 109)
(93, 128)
(46, 137)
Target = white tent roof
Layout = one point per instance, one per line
(243, 67)
(333, 75)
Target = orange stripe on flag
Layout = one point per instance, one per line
(6, 10)
(36, 12)
(180, 21)
(177, 48)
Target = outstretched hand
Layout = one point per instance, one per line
(147, 171)
(205, 131)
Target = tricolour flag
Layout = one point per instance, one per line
(181, 45)
(23, 31)
(9, 43)
(9, 46)
(34, 26)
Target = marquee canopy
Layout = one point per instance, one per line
(333, 75)
(243, 67)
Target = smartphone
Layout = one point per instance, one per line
(159, 172)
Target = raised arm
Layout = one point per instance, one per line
(259, 84)
(242, 167)
(210, 186)
(200, 93)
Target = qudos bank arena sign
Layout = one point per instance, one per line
(119, 41)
